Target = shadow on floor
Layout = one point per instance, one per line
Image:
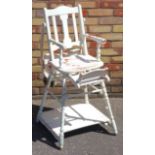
(40, 133)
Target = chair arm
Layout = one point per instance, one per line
(99, 42)
(96, 39)
(58, 43)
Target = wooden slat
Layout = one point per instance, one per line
(75, 27)
(67, 40)
(55, 28)
(48, 33)
(82, 29)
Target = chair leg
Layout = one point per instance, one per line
(44, 98)
(64, 90)
(109, 107)
(86, 94)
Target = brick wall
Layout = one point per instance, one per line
(103, 18)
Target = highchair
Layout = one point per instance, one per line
(69, 60)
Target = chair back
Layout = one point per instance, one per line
(60, 19)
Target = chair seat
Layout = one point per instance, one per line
(77, 63)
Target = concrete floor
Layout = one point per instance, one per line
(94, 140)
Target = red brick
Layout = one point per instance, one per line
(36, 69)
(119, 50)
(99, 28)
(109, 52)
(117, 28)
(37, 83)
(117, 89)
(107, 44)
(36, 29)
(111, 0)
(35, 91)
(117, 44)
(56, 90)
(117, 59)
(52, 4)
(110, 20)
(35, 45)
(40, 13)
(106, 59)
(37, 21)
(118, 12)
(116, 74)
(92, 44)
(36, 53)
(114, 67)
(120, 5)
(112, 36)
(110, 4)
(115, 82)
(91, 21)
(87, 4)
(92, 52)
(38, 61)
(100, 12)
(35, 76)
(85, 12)
(34, 61)
(38, 5)
(33, 13)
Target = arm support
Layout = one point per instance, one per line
(96, 39)
(58, 44)
(99, 42)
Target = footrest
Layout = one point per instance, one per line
(76, 116)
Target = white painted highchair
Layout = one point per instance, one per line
(69, 60)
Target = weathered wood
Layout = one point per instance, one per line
(75, 27)
(67, 40)
(55, 28)
(61, 10)
(82, 31)
(69, 61)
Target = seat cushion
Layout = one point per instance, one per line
(77, 63)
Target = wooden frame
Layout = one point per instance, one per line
(80, 68)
